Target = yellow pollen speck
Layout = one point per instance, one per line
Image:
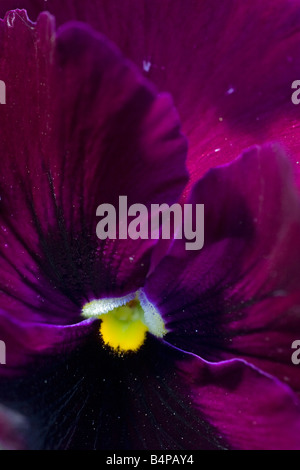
(123, 328)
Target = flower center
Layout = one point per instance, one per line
(125, 321)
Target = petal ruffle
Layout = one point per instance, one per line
(25, 342)
(159, 399)
(239, 295)
(251, 410)
(229, 66)
(81, 127)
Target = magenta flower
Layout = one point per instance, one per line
(82, 126)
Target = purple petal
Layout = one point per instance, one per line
(239, 295)
(229, 66)
(80, 128)
(159, 399)
(26, 341)
(251, 410)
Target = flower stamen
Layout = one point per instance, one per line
(126, 320)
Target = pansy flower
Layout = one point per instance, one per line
(135, 344)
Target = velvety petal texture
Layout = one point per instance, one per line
(83, 126)
(80, 128)
(102, 401)
(229, 66)
(239, 295)
(251, 410)
(25, 340)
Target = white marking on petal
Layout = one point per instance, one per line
(152, 317)
(10, 19)
(230, 91)
(95, 308)
(146, 65)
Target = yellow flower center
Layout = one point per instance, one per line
(125, 321)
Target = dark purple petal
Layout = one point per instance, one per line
(239, 295)
(80, 128)
(25, 341)
(253, 411)
(102, 401)
(159, 399)
(228, 65)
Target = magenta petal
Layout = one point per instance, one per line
(159, 399)
(229, 66)
(251, 410)
(80, 128)
(26, 341)
(239, 295)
